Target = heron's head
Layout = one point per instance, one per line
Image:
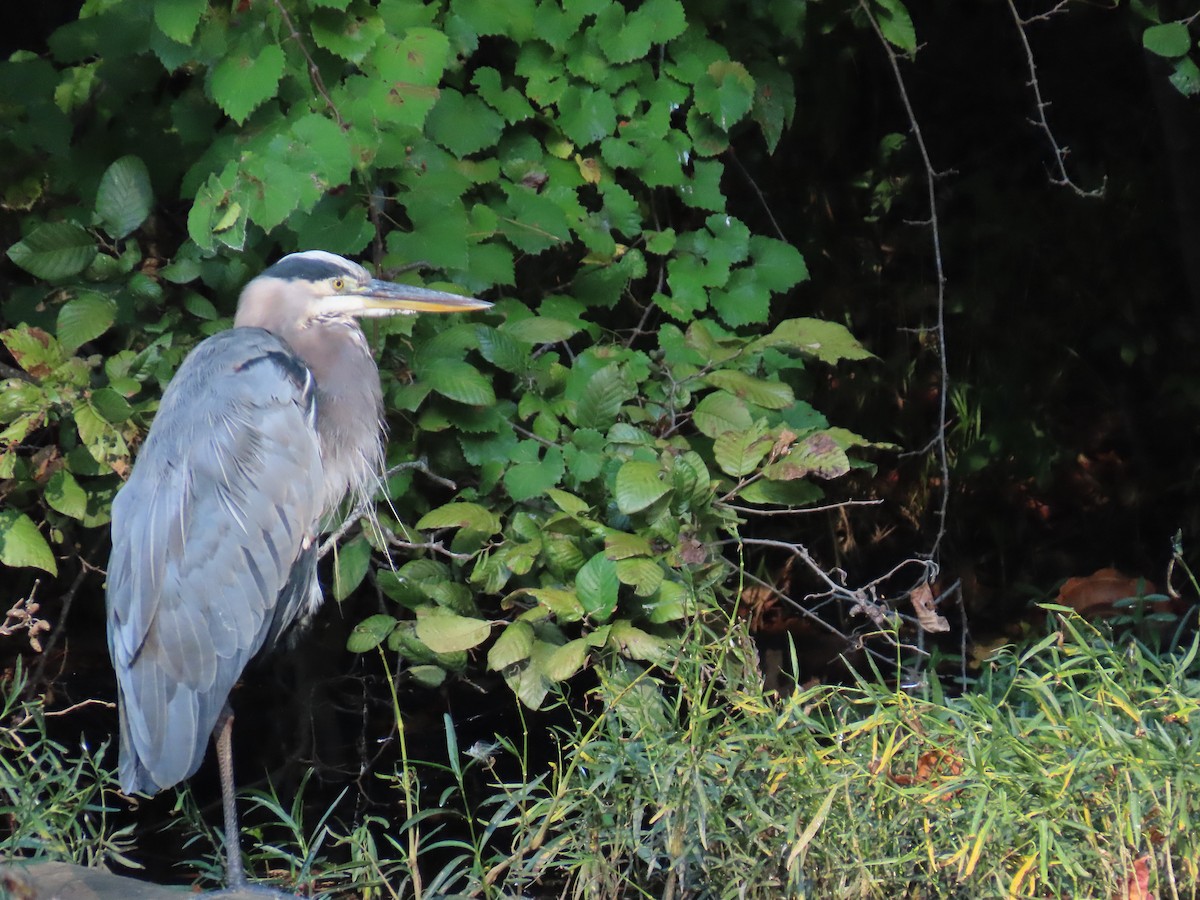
(315, 288)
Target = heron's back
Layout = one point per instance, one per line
(212, 545)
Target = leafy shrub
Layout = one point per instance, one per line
(630, 387)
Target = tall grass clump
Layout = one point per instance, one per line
(1068, 769)
(53, 803)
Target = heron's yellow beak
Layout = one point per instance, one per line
(387, 298)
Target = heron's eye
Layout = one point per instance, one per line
(338, 284)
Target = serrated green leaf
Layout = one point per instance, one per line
(738, 453)
(818, 454)
(352, 561)
(513, 646)
(638, 485)
(84, 319)
(22, 545)
(1170, 40)
(428, 676)
(719, 412)
(443, 631)
(767, 394)
(54, 251)
(619, 545)
(645, 576)
(470, 516)
(565, 661)
(350, 37)
(246, 78)
(539, 330)
(177, 19)
(782, 493)
(525, 480)
(563, 603)
(457, 380)
(64, 494)
(778, 266)
(568, 502)
(597, 586)
(102, 440)
(602, 397)
(124, 198)
(113, 407)
(637, 644)
(370, 633)
(463, 124)
(896, 24)
(725, 93)
(824, 340)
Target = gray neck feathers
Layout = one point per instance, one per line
(349, 407)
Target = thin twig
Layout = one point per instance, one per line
(314, 72)
(792, 511)
(85, 566)
(1060, 153)
(931, 177)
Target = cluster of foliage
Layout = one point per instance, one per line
(55, 801)
(630, 384)
(1067, 770)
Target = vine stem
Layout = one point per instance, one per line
(939, 330)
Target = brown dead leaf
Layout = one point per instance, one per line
(692, 552)
(1094, 596)
(925, 607)
(933, 767)
(1137, 884)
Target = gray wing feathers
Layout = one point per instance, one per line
(222, 505)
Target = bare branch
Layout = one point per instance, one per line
(1060, 153)
(931, 176)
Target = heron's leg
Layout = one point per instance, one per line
(235, 875)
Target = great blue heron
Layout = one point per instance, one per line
(263, 431)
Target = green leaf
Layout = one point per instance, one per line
(568, 502)
(64, 494)
(54, 251)
(246, 78)
(782, 493)
(635, 643)
(457, 380)
(566, 660)
(102, 440)
(539, 330)
(352, 561)
(725, 93)
(22, 545)
(428, 676)
(350, 37)
(818, 454)
(601, 399)
(645, 576)
(563, 603)
(738, 453)
(826, 341)
(525, 480)
(443, 631)
(1171, 40)
(597, 585)
(585, 115)
(84, 319)
(619, 545)
(124, 198)
(767, 394)
(177, 19)
(896, 24)
(370, 633)
(719, 412)
(463, 124)
(1186, 77)
(778, 266)
(470, 516)
(513, 646)
(638, 485)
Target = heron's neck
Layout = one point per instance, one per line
(349, 407)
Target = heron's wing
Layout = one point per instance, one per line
(221, 506)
